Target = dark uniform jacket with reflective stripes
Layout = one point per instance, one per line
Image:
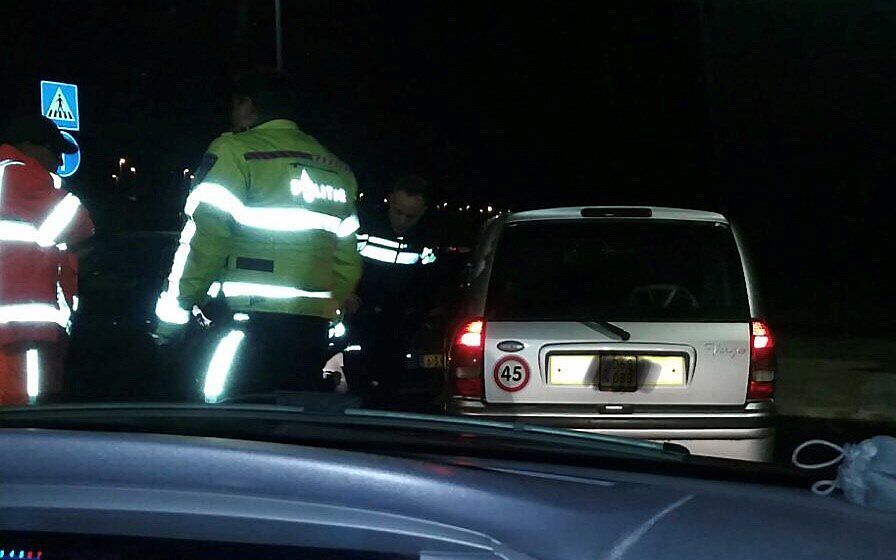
(396, 268)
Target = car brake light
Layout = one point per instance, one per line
(761, 336)
(762, 362)
(471, 334)
(465, 360)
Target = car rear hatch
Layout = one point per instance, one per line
(617, 312)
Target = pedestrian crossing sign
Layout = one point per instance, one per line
(59, 103)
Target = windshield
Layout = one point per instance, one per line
(623, 271)
(516, 218)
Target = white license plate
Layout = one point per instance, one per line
(584, 370)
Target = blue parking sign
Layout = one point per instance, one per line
(59, 103)
(70, 162)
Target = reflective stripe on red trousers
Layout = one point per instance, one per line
(14, 371)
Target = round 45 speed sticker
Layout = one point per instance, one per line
(511, 373)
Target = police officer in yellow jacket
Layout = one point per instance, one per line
(270, 230)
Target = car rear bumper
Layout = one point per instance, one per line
(740, 432)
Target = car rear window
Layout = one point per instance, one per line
(617, 270)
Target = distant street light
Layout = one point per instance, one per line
(134, 170)
(186, 172)
(115, 177)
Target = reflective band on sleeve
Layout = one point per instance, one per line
(3, 165)
(384, 242)
(214, 289)
(167, 308)
(348, 226)
(74, 303)
(32, 313)
(220, 364)
(17, 231)
(427, 256)
(62, 246)
(353, 348)
(389, 251)
(379, 253)
(243, 289)
(241, 317)
(270, 218)
(32, 373)
(407, 258)
(59, 219)
(390, 255)
(57, 181)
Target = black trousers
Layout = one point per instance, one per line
(279, 352)
(376, 372)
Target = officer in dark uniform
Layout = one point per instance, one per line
(391, 301)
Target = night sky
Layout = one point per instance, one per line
(779, 115)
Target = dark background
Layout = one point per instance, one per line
(778, 114)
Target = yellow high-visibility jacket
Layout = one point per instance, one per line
(271, 226)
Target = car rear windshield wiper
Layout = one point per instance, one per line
(603, 326)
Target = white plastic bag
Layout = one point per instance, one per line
(867, 475)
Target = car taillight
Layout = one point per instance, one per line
(762, 363)
(465, 360)
(471, 334)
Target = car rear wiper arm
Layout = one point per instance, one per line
(603, 326)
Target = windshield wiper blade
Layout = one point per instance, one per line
(536, 434)
(307, 401)
(519, 435)
(603, 326)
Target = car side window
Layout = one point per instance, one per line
(485, 248)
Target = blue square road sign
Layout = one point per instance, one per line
(59, 103)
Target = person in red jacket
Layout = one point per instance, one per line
(38, 219)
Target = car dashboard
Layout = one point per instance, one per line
(77, 494)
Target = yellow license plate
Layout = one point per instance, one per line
(433, 361)
(584, 370)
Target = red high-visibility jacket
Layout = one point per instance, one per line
(37, 220)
